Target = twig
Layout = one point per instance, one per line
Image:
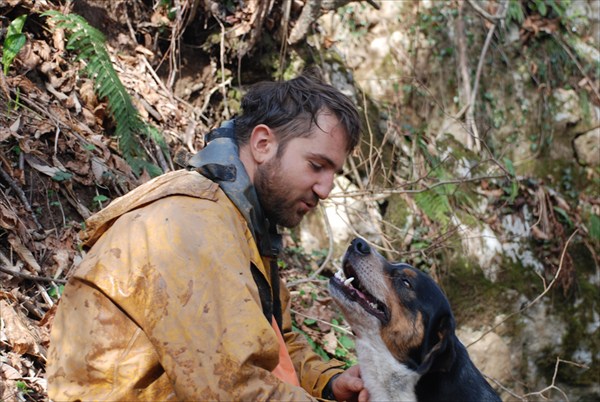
(553, 383)
(161, 159)
(498, 17)
(21, 195)
(34, 278)
(388, 191)
(286, 7)
(371, 140)
(502, 387)
(210, 93)
(157, 79)
(470, 118)
(462, 64)
(226, 113)
(174, 47)
(492, 18)
(323, 321)
(471, 92)
(534, 301)
(568, 51)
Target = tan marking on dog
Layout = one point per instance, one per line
(405, 330)
(410, 272)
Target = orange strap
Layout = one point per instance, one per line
(285, 369)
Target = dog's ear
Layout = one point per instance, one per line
(439, 352)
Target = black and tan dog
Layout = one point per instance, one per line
(405, 339)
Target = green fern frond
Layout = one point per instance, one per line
(88, 43)
(515, 13)
(435, 204)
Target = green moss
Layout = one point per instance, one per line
(566, 176)
(397, 214)
(473, 297)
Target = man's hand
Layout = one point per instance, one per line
(349, 386)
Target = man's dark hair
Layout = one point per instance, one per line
(291, 107)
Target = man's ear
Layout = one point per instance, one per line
(263, 143)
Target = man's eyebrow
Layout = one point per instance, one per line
(328, 161)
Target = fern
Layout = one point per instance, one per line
(88, 43)
(515, 13)
(436, 204)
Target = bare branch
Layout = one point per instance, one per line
(553, 383)
(342, 329)
(581, 70)
(22, 275)
(21, 196)
(382, 193)
(492, 18)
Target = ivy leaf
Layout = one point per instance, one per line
(13, 42)
(316, 348)
(564, 215)
(514, 188)
(62, 176)
(541, 5)
(595, 227)
(16, 26)
(346, 342)
(56, 292)
(100, 198)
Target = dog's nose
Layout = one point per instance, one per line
(361, 246)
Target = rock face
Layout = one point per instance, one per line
(567, 102)
(490, 354)
(587, 148)
(546, 135)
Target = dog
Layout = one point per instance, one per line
(405, 332)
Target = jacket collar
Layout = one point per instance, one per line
(219, 161)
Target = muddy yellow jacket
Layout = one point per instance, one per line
(164, 306)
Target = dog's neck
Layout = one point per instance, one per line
(385, 378)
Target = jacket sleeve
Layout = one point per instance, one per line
(189, 287)
(313, 371)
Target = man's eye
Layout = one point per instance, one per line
(315, 166)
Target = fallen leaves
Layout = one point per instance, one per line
(20, 369)
(18, 333)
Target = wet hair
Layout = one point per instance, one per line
(290, 108)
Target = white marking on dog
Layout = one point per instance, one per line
(382, 373)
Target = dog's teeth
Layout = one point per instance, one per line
(348, 281)
(340, 275)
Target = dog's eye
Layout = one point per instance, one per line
(407, 283)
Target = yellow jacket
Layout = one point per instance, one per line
(169, 272)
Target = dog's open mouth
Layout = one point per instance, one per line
(348, 282)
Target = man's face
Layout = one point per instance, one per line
(292, 184)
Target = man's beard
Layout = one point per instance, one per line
(274, 195)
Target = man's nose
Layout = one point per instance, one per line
(324, 186)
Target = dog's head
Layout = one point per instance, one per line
(398, 303)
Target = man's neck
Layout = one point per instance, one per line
(221, 162)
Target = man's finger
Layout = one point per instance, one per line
(363, 396)
(356, 384)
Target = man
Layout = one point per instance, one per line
(179, 296)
